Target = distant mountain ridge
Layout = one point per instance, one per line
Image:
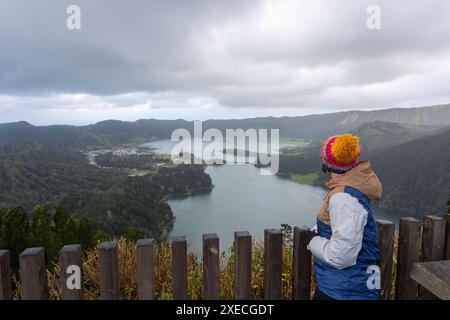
(19, 124)
(316, 127)
(322, 125)
(380, 134)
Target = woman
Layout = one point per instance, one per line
(345, 248)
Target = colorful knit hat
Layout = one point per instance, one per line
(340, 153)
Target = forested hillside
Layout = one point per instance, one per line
(137, 202)
(415, 175)
(412, 164)
(114, 202)
(56, 136)
(33, 173)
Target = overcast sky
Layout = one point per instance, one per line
(218, 59)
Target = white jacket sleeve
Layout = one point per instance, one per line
(348, 219)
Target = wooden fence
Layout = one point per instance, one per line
(426, 241)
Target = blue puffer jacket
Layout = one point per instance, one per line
(346, 251)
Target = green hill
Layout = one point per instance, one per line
(412, 163)
(32, 174)
(380, 134)
(415, 175)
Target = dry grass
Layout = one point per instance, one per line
(163, 290)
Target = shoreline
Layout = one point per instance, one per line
(166, 230)
(185, 194)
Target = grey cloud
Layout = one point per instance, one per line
(247, 54)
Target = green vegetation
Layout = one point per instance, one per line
(19, 230)
(303, 163)
(415, 175)
(138, 202)
(296, 142)
(310, 178)
(297, 146)
(139, 161)
(113, 201)
(142, 172)
(413, 166)
(34, 173)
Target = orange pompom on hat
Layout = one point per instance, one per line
(340, 153)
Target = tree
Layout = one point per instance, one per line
(14, 232)
(18, 231)
(65, 227)
(101, 236)
(134, 234)
(42, 231)
(84, 232)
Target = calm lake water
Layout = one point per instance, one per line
(244, 200)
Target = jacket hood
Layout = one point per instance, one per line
(360, 177)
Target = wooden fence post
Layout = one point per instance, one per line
(179, 268)
(243, 265)
(33, 274)
(432, 246)
(273, 253)
(408, 254)
(109, 271)
(71, 268)
(301, 265)
(145, 269)
(447, 238)
(211, 266)
(5, 276)
(386, 231)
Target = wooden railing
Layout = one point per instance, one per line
(426, 241)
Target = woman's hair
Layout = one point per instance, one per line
(327, 170)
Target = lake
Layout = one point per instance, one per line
(244, 200)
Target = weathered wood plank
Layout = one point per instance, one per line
(273, 253)
(447, 238)
(386, 231)
(5, 276)
(432, 246)
(109, 271)
(33, 274)
(408, 254)
(243, 265)
(301, 265)
(71, 270)
(435, 276)
(145, 268)
(211, 266)
(179, 268)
